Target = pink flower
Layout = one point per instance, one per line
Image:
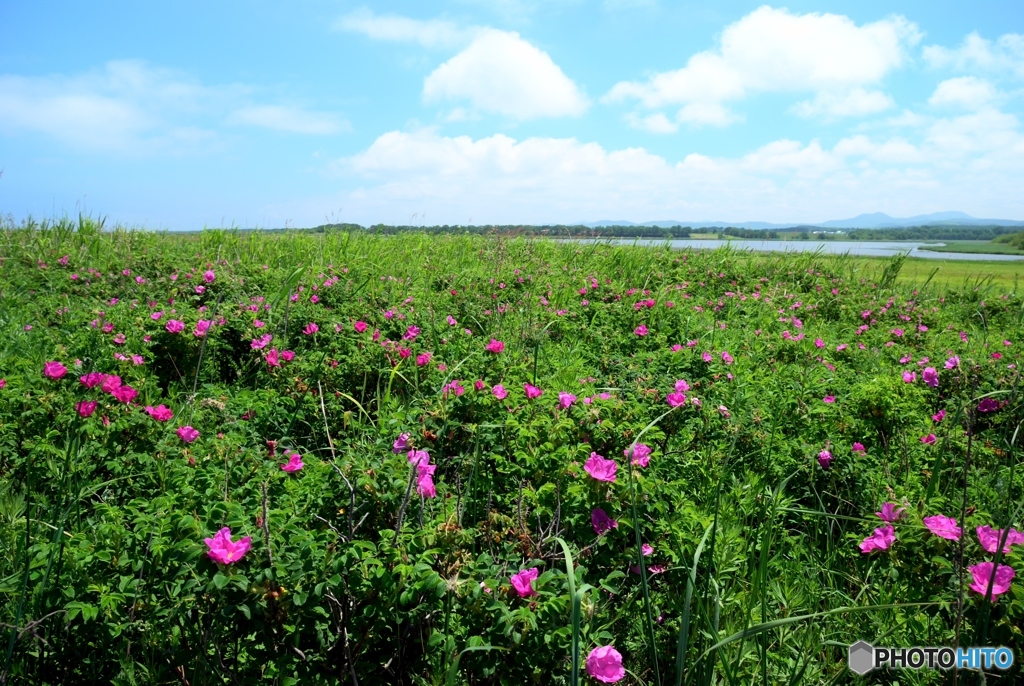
(423, 359)
(124, 394)
(641, 454)
(209, 276)
(930, 377)
(261, 342)
(499, 392)
(641, 330)
(174, 326)
(161, 413)
(202, 326)
(928, 440)
(111, 383)
(859, 448)
(401, 443)
(495, 346)
(522, 582)
(604, 664)
(418, 457)
(200, 289)
(225, 551)
(479, 385)
(187, 434)
(675, 399)
(532, 391)
(601, 522)
(982, 573)
(943, 527)
(909, 377)
(706, 357)
(92, 379)
(726, 357)
(989, 538)
(939, 416)
(600, 468)
(360, 327)
(565, 400)
(311, 329)
(881, 539)
(829, 399)
(988, 405)
(54, 370)
(890, 513)
(85, 408)
(272, 358)
(294, 463)
(411, 333)
(724, 411)
(451, 320)
(287, 355)
(818, 343)
(425, 481)
(953, 362)
(825, 459)
(3, 383)
(681, 385)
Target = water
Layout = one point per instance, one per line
(865, 248)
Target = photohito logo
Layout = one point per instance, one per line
(863, 657)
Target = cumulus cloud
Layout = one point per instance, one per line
(973, 162)
(967, 92)
(654, 123)
(775, 50)
(501, 73)
(430, 33)
(1006, 54)
(289, 119)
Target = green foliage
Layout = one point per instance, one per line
(754, 573)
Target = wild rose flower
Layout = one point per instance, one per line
(928, 440)
(3, 383)
(174, 326)
(988, 405)
(982, 574)
(499, 392)
(675, 399)
(124, 394)
(411, 333)
(272, 358)
(294, 463)
(451, 321)
(479, 385)
(881, 539)
(825, 459)
(311, 329)
(257, 324)
(565, 400)
(401, 443)
(200, 289)
(225, 551)
(641, 330)
(425, 481)
(724, 411)
(859, 448)
(161, 413)
(953, 362)
(829, 399)
(495, 346)
(423, 359)
(92, 379)
(943, 527)
(909, 377)
(930, 377)
(681, 386)
(604, 664)
(890, 513)
(360, 327)
(261, 342)
(209, 276)
(818, 343)
(137, 360)
(287, 355)
(532, 391)
(600, 468)
(54, 370)
(85, 408)
(601, 522)
(989, 538)
(726, 357)
(641, 454)
(418, 457)
(111, 383)
(522, 582)
(706, 357)
(202, 326)
(939, 416)
(187, 434)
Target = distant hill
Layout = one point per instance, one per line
(875, 220)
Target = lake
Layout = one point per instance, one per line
(865, 248)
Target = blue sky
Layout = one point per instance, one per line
(183, 115)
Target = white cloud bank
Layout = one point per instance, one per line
(774, 50)
(1006, 54)
(972, 162)
(966, 92)
(500, 73)
(428, 33)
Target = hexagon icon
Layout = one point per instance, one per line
(861, 658)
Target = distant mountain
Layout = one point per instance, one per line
(875, 220)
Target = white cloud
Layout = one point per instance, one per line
(430, 33)
(1006, 54)
(857, 102)
(501, 73)
(973, 162)
(967, 92)
(654, 123)
(707, 114)
(774, 50)
(616, 5)
(289, 119)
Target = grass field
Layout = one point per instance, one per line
(295, 458)
(980, 247)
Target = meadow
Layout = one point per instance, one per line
(340, 458)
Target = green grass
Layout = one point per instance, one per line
(981, 247)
